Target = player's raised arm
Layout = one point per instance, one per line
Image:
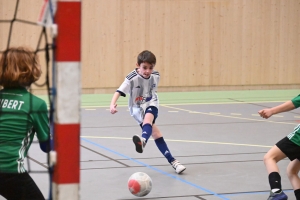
(268, 112)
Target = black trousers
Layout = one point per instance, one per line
(15, 186)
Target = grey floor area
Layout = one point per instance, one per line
(222, 146)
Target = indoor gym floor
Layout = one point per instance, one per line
(218, 136)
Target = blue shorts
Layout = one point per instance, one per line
(154, 111)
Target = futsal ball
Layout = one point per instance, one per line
(139, 184)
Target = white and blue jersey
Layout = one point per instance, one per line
(142, 91)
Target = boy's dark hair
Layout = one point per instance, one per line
(19, 67)
(146, 56)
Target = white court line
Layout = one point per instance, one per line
(186, 141)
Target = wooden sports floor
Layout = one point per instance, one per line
(218, 136)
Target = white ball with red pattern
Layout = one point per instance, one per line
(139, 184)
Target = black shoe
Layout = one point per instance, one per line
(139, 143)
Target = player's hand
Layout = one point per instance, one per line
(265, 113)
(113, 109)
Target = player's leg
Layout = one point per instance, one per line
(292, 172)
(162, 146)
(147, 124)
(19, 186)
(284, 148)
(149, 119)
(272, 157)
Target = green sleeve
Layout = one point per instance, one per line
(41, 122)
(296, 101)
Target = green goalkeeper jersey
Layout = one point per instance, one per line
(21, 116)
(295, 135)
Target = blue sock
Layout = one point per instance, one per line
(162, 146)
(147, 131)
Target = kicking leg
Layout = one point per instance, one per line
(147, 126)
(140, 142)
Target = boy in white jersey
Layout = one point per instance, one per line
(22, 115)
(287, 147)
(143, 104)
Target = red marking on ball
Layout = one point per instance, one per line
(134, 186)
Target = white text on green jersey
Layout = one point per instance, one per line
(11, 104)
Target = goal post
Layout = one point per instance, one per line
(66, 173)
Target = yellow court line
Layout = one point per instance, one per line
(186, 141)
(102, 106)
(215, 103)
(184, 104)
(214, 113)
(227, 116)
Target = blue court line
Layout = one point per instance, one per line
(155, 169)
